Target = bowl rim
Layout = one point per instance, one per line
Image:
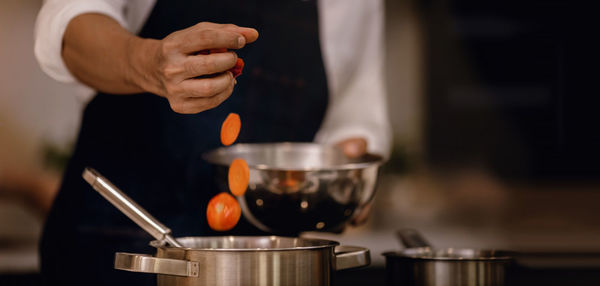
(373, 159)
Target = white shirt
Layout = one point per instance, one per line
(351, 33)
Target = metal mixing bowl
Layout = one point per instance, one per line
(298, 187)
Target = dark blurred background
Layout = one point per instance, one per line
(494, 111)
(506, 87)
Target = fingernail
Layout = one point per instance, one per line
(241, 41)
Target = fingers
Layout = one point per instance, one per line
(207, 87)
(192, 105)
(198, 40)
(363, 215)
(249, 34)
(193, 81)
(208, 64)
(354, 147)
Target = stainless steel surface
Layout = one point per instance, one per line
(421, 264)
(263, 260)
(299, 186)
(127, 206)
(403, 271)
(149, 264)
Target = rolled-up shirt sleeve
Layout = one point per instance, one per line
(50, 26)
(353, 52)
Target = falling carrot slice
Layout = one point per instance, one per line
(230, 129)
(238, 177)
(223, 212)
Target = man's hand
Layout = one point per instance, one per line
(353, 147)
(105, 56)
(172, 66)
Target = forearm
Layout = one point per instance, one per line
(99, 52)
(103, 55)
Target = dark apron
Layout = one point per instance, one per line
(154, 154)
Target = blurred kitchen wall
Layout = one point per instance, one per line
(38, 118)
(404, 73)
(451, 188)
(34, 109)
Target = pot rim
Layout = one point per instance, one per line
(371, 159)
(324, 243)
(504, 255)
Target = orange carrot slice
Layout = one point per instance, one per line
(237, 69)
(230, 129)
(223, 212)
(238, 177)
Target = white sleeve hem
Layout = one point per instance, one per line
(352, 47)
(50, 27)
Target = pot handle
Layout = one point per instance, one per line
(347, 257)
(149, 264)
(127, 206)
(411, 238)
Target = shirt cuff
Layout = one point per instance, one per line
(51, 24)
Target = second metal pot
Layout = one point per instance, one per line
(237, 260)
(420, 264)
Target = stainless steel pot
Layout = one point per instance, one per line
(420, 264)
(228, 260)
(236, 260)
(298, 187)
